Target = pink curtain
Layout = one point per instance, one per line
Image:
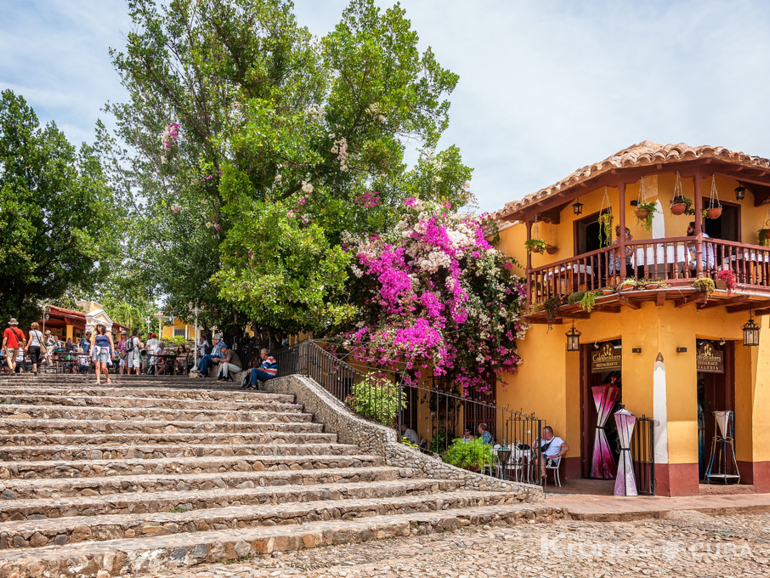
(603, 463)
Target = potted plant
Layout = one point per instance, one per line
(644, 213)
(714, 213)
(605, 233)
(589, 300)
(763, 237)
(607, 291)
(726, 280)
(575, 297)
(551, 249)
(681, 206)
(704, 285)
(535, 245)
(473, 455)
(647, 284)
(551, 307)
(627, 285)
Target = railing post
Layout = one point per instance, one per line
(622, 224)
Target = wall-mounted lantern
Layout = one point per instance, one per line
(573, 338)
(740, 192)
(577, 207)
(750, 333)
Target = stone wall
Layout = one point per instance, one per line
(382, 441)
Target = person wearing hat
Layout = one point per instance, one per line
(51, 342)
(13, 341)
(152, 347)
(214, 358)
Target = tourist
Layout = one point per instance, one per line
(216, 354)
(69, 347)
(410, 434)
(134, 353)
(616, 258)
(85, 343)
(152, 347)
(552, 448)
(34, 344)
(707, 258)
(484, 434)
(268, 370)
(122, 353)
(13, 342)
(181, 359)
(103, 352)
(228, 363)
(83, 361)
(203, 345)
(467, 436)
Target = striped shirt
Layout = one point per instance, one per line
(270, 366)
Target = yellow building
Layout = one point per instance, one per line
(672, 350)
(168, 330)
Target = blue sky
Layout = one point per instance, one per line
(545, 87)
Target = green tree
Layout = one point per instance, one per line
(54, 213)
(283, 144)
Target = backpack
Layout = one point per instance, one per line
(130, 344)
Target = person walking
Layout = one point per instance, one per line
(134, 349)
(51, 343)
(13, 341)
(103, 351)
(34, 343)
(122, 353)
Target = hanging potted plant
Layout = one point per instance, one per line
(644, 209)
(680, 205)
(535, 246)
(763, 236)
(605, 221)
(714, 210)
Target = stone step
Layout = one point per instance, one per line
(65, 426)
(154, 392)
(48, 399)
(115, 527)
(140, 503)
(165, 466)
(66, 487)
(99, 452)
(60, 412)
(138, 439)
(131, 556)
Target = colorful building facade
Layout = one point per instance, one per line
(675, 353)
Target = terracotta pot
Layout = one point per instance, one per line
(651, 286)
(537, 250)
(679, 208)
(714, 213)
(551, 249)
(721, 284)
(627, 288)
(641, 214)
(608, 291)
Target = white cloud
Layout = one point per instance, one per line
(545, 87)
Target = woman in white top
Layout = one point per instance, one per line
(33, 345)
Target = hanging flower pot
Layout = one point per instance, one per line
(678, 208)
(714, 213)
(551, 249)
(641, 214)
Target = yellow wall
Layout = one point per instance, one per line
(548, 381)
(168, 331)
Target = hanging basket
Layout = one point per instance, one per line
(641, 214)
(714, 213)
(551, 249)
(714, 210)
(678, 208)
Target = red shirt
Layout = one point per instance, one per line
(13, 335)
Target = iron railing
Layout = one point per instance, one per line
(396, 404)
(643, 455)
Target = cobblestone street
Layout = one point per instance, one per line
(686, 544)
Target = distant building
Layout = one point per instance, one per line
(67, 323)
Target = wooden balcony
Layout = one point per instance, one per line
(675, 263)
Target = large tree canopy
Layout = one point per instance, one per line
(252, 146)
(55, 208)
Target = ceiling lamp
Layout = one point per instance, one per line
(578, 207)
(573, 338)
(740, 192)
(750, 333)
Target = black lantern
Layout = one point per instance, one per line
(750, 333)
(740, 192)
(578, 207)
(573, 338)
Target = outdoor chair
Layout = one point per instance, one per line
(555, 469)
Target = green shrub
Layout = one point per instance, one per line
(378, 399)
(467, 455)
(575, 297)
(440, 442)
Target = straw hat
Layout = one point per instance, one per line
(13, 321)
(48, 332)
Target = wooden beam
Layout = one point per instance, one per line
(625, 301)
(543, 321)
(747, 306)
(711, 303)
(576, 315)
(660, 298)
(760, 312)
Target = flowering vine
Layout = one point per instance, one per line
(436, 294)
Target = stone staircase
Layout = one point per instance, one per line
(156, 472)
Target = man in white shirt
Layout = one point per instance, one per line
(552, 447)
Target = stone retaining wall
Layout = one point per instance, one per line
(382, 441)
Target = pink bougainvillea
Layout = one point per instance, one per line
(437, 293)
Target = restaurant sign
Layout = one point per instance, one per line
(607, 358)
(710, 360)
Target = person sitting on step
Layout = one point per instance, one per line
(228, 363)
(208, 360)
(410, 434)
(268, 370)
